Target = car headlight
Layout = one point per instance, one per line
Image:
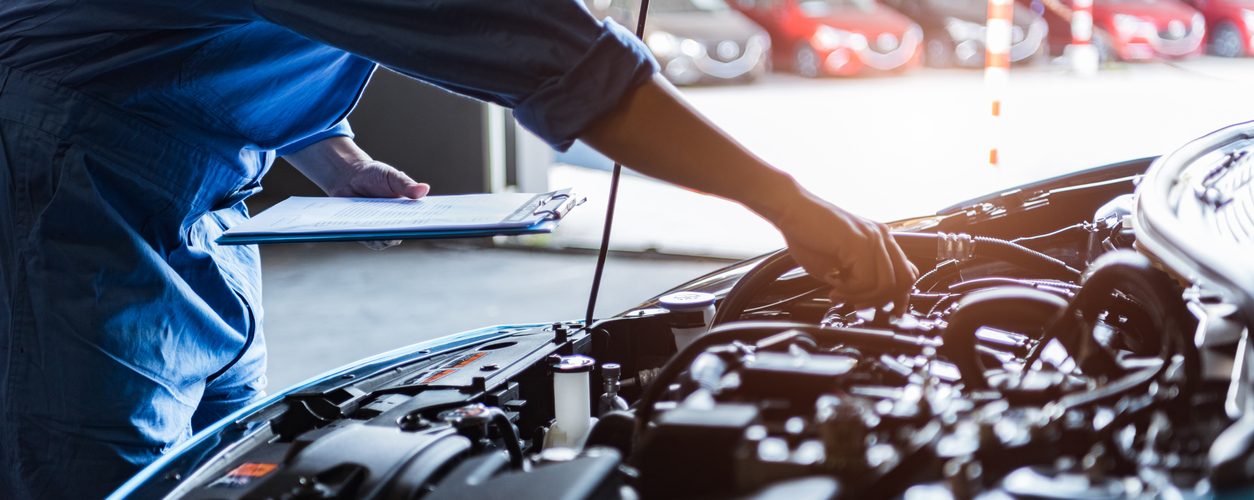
(961, 30)
(1131, 25)
(1247, 17)
(662, 44)
(827, 38)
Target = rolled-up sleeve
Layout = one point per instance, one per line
(558, 67)
(341, 129)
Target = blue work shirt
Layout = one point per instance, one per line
(131, 131)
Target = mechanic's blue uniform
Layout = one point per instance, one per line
(130, 133)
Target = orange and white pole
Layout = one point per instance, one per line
(997, 67)
(1082, 53)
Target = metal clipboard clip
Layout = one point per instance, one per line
(559, 204)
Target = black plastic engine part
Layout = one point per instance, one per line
(591, 476)
(616, 429)
(1014, 308)
(693, 452)
(799, 378)
(816, 488)
(359, 461)
(1134, 275)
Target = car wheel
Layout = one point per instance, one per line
(1225, 41)
(938, 53)
(806, 62)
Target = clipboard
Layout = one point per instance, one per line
(328, 219)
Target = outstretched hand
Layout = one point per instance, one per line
(341, 168)
(375, 179)
(858, 257)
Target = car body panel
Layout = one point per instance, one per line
(697, 41)
(1228, 14)
(957, 28)
(1135, 30)
(847, 38)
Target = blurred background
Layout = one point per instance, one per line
(880, 107)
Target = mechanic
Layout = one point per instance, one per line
(131, 131)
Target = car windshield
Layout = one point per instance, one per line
(687, 6)
(823, 8)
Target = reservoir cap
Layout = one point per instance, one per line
(686, 301)
(571, 364)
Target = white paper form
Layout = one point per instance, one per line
(298, 215)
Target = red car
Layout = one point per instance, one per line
(1230, 25)
(836, 37)
(1132, 30)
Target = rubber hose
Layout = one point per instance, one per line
(1134, 275)
(1008, 307)
(983, 246)
(748, 286)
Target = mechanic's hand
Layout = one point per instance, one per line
(858, 257)
(375, 179)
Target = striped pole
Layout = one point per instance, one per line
(997, 67)
(1083, 55)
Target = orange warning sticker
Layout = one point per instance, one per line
(452, 366)
(243, 474)
(250, 469)
(470, 359)
(448, 367)
(436, 376)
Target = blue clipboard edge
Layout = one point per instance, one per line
(542, 227)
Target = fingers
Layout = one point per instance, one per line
(380, 244)
(376, 179)
(906, 272)
(872, 269)
(876, 279)
(881, 274)
(401, 185)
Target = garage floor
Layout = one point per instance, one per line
(331, 304)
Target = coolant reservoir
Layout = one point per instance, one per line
(690, 315)
(572, 401)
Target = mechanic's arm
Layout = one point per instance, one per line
(341, 168)
(567, 75)
(642, 131)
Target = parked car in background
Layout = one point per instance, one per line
(697, 41)
(1229, 26)
(1131, 30)
(837, 37)
(954, 31)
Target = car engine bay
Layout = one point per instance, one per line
(1082, 337)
